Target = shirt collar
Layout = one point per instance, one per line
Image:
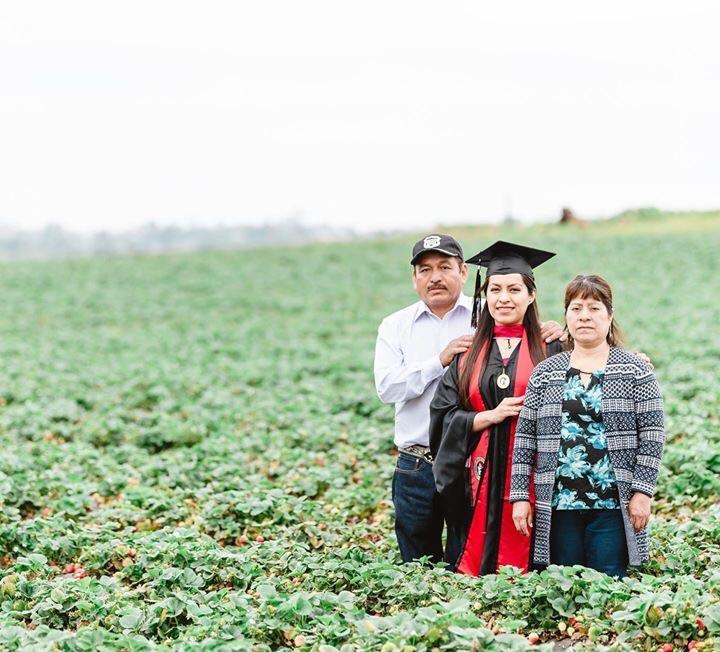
(464, 302)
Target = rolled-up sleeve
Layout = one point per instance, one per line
(395, 380)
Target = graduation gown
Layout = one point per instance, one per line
(472, 470)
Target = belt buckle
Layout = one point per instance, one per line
(419, 452)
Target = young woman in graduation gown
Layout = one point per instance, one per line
(475, 409)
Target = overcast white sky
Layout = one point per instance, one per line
(373, 113)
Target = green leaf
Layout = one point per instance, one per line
(131, 619)
(266, 591)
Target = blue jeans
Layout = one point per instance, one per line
(590, 537)
(419, 517)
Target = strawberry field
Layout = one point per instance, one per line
(193, 455)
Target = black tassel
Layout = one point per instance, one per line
(476, 300)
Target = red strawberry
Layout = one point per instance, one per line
(533, 638)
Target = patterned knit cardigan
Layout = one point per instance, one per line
(632, 412)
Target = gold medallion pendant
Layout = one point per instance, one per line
(503, 381)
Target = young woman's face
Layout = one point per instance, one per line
(508, 298)
(588, 321)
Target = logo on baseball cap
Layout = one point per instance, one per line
(443, 244)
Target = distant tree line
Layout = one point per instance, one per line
(53, 241)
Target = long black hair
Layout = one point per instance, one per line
(484, 334)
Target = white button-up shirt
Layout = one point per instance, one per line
(407, 363)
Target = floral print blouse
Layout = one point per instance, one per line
(584, 478)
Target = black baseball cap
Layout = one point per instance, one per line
(442, 244)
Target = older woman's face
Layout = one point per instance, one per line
(588, 321)
(508, 298)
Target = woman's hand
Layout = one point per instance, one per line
(638, 511)
(509, 407)
(522, 517)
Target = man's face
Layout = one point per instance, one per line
(439, 279)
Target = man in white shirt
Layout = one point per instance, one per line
(414, 346)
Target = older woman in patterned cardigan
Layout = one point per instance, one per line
(591, 436)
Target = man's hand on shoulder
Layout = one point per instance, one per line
(551, 331)
(458, 345)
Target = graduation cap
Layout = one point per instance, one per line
(505, 258)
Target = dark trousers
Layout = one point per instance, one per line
(590, 537)
(419, 517)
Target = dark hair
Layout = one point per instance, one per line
(484, 333)
(594, 287)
